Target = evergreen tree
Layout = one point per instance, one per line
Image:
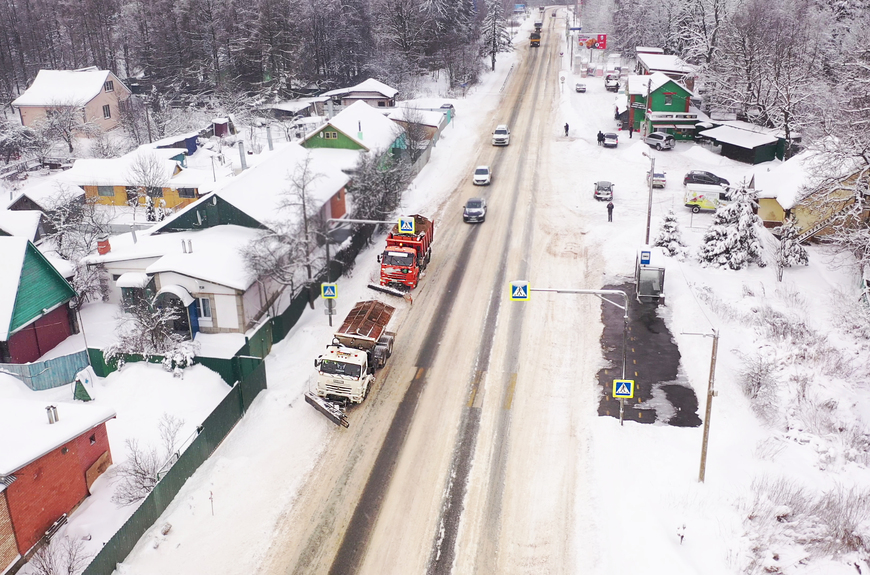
(790, 252)
(670, 237)
(494, 33)
(732, 240)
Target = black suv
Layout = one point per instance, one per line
(701, 177)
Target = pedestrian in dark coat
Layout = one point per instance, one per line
(609, 211)
(600, 138)
(566, 129)
(630, 130)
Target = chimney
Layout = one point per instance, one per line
(133, 231)
(190, 246)
(183, 246)
(103, 246)
(54, 412)
(269, 136)
(51, 411)
(242, 156)
(360, 134)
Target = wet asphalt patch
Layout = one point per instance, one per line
(652, 361)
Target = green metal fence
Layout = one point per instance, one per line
(213, 430)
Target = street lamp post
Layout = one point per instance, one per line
(652, 168)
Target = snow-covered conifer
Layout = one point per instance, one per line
(494, 34)
(732, 240)
(790, 252)
(670, 237)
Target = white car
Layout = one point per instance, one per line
(580, 87)
(501, 136)
(482, 176)
(658, 180)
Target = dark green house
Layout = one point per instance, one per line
(34, 296)
(667, 109)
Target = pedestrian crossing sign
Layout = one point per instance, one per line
(623, 388)
(328, 290)
(406, 225)
(520, 291)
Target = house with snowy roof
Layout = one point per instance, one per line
(745, 142)
(34, 302)
(50, 456)
(44, 198)
(159, 174)
(372, 92)
(794, 188)
(656, 103)
(668, 64)
(358, 127)
(97, 93)
(26, 224)
(432, 122)
(201, 273)
(253, 198)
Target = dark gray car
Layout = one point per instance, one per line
(474, 211)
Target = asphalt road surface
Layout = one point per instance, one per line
(465, 457)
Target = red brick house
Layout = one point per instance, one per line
(34, 296)
(51, 473)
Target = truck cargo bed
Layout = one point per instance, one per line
(365, 323)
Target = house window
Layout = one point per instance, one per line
(186, 192)
(109, 86)
(154, 192)
(106, 191)
(115, 277)
(107, 112)
(382, 104)
(330, 135)
(669, 99)
(203, 308)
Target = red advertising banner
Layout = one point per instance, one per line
(597, 42)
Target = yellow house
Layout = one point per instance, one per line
(98, 93)
(159, 174)
(791, 189)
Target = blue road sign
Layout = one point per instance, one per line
(623, 388)
(406, 225)
(644, 257)
(328, 291)
(520, 291)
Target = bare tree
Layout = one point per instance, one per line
(60, 556)
(377, 185)
(148, 174)
(64, 120)
(144, 467)
(147, 328)
(414, 132)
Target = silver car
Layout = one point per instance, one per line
(660, 141)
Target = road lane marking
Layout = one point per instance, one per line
(510, 392)
(475, 385)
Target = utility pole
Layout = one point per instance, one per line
(652, 169)
(711, 393)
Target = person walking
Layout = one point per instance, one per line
(609, 211)
(630, 130)
(600, 138)
(566, 129)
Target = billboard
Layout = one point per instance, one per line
(596, 42)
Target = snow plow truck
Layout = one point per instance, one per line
(345, 372)
(406, 255)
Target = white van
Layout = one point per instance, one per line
(704, 197)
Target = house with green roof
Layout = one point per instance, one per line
(34, 303)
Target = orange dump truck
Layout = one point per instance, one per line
(406, 255)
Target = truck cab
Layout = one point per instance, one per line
(343, 373)
(399, 266)
(406, 255)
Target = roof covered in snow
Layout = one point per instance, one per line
(64, 87)
(48, 191)
(738, 137)
(636, 84)
(22, 223)
(366, 126)
(370, 85)
(21, 416)
(785, 181)
(295, 105)
(215, 254)
(425, 117)
(664, 63)
(259, 191)
(122, 171)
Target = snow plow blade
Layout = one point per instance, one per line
(327, 408)
(389, 290)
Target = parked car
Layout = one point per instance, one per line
(580, 87)
(658, 180)
(611, 84)
(603, 191)
(611, 140)
(660, 141)
(702, 177)
(501, 136)
(482, 176)
(474, 211)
